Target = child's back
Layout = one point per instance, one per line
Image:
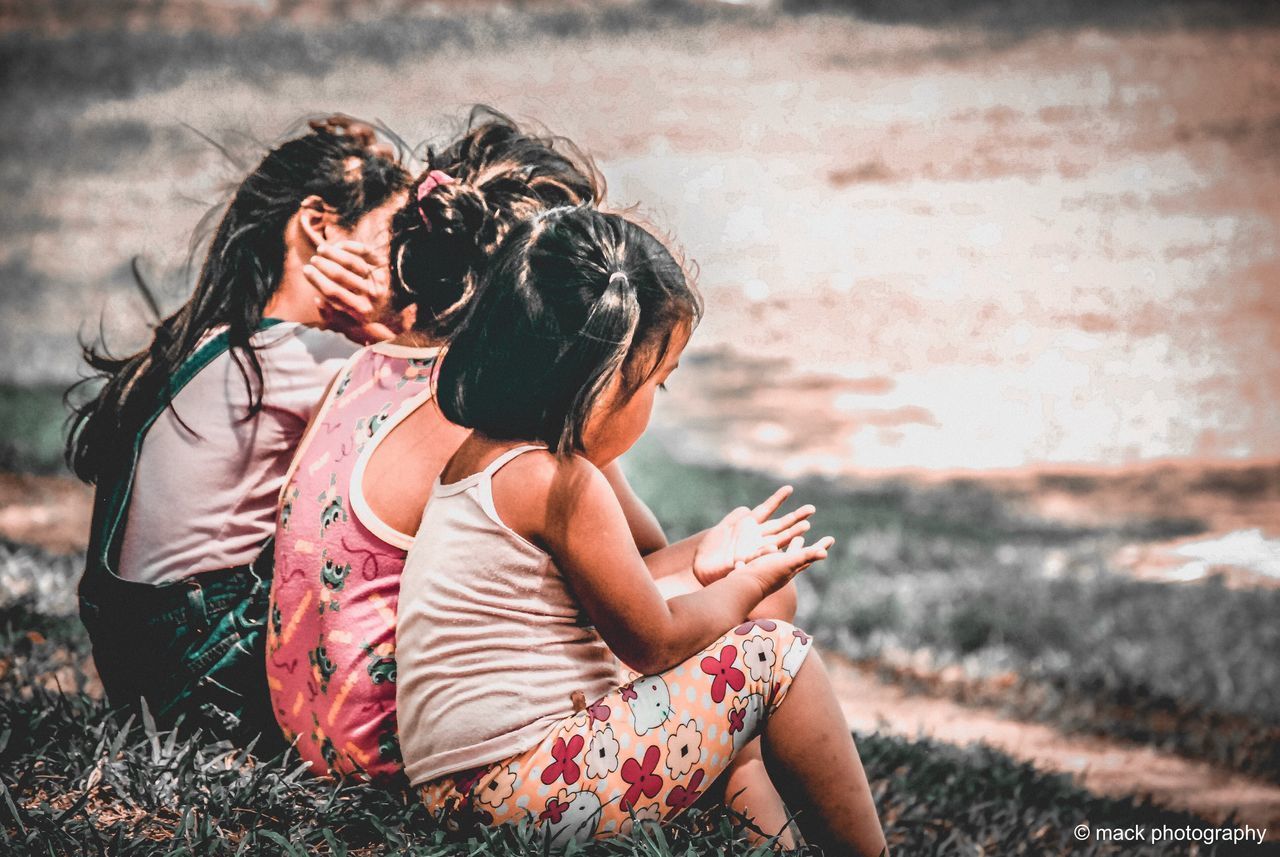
(524, 569)
(357, 490)
(491, 633)
(331, 638)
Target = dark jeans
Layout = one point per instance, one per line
(195, 649)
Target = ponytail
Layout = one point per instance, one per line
(573, 300)
(471, 195)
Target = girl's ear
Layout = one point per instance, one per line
(314, 217)
(409, 317)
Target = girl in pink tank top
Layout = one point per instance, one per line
(331, 638)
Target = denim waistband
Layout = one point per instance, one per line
(194, 596)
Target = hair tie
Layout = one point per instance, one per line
(618, 275)
(434, 179)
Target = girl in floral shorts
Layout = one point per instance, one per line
(524, 583)
(354, 494)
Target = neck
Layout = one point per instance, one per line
(294, 298)
(418, 339)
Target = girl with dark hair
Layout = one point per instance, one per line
(354, 494)
(525, 582)
(361, 483)
(187, 441)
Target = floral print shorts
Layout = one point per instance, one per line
(645, 752)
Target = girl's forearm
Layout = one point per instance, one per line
(672, 559)
(695, 620)
(779, 605)
(645, 529)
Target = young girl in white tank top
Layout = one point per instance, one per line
(524, 579)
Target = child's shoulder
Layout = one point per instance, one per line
(538, 481)
(541, 470)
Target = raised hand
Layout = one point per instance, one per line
(747, 534)
(353, 282)
(775, 570)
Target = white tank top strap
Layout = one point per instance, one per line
(482, 478)
(484, 491)
(503, 460)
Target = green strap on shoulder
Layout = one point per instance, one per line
(118, 500)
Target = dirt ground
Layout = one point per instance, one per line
(1102, 766)
(50, 512)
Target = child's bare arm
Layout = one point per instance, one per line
(584, 528)
(645, 529)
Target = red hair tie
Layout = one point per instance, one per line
(434, 179)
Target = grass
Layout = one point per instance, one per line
(1025, 17)
(76, 778)
(31, 420)
(954, 575)
(1192, 669)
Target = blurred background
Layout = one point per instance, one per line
(996, 282)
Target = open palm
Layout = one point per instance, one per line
(748, 534)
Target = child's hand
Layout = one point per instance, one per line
(775, 570)
(355, 291)
(747, 534)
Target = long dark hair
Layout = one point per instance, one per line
(571, 298)
(501, 176)
(339, 161)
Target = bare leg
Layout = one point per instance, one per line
(747, 787)
(817, 768)
(749, 791)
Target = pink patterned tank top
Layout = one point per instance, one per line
(331, 663)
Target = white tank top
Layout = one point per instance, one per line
(490, 642)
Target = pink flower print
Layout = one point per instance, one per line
(745, 715)
(640, 816)
(724, 673)
(554, 811)
(564, 765)
(747, 626)
(640, 777)
(801, 636)
(501, 785)
(464, 782)
(794, 657)
(602, 754)
(682, 797)
(629, 692)
(737, 719)
(600, 711)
